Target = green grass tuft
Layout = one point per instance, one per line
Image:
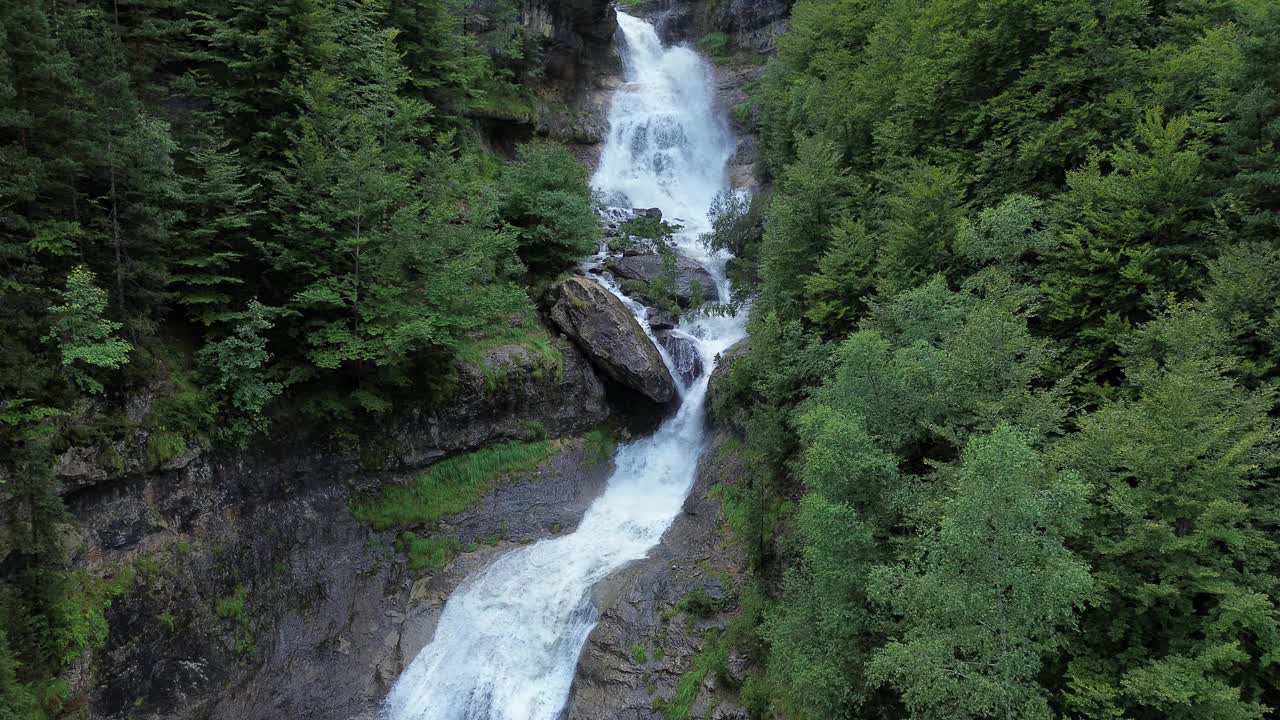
(164, 445)
(448, 487)
(600, 444)
(428, 553)
(231, 607)
(711, 660)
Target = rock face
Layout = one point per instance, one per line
(692, 281)
(639, 609)
(577, 74)
(716, 414)
(491, 403)
(258, 595)
(751, 24)
(610, 335)
(331, 613)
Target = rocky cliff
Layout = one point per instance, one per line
(253, 591)
(571, 66)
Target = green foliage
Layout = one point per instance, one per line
(164, 445)
(992, 589)
(167, 620)
(427, 553)
(698, 604)
(521, 328)
(546, 204)
(449, 486)
(16, 700)
(1178, 539)
(711, 661)
(715, 44)
(638, 654)
(239, 373)
(232, 605)
(83, 333)
(1014, 350)
(601, 444)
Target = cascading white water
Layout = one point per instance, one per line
(509, 638)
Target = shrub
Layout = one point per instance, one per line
(715, 44)
(547, 203)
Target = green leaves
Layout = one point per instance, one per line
(83, 334)
(991, 590)
(546, 201)
(240, 373)
(1177, 541)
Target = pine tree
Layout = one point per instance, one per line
(1186, 626)
(218, 215)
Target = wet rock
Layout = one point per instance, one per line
(685, 357)
(655, 213)
(637, 607)
(693, 283)
(662, 319)
(718, 415)
(611, 336)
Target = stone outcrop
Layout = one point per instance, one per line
(693, 284)
(640, 608)
(256, 594)
(258, 597)
(494, 401)
(573, 82)
(610, 335)
(753, 25)
(717, 413)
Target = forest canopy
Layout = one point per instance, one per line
(1013, 360)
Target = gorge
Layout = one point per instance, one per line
(509, 639)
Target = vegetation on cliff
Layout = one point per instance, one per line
(1013, 362)
(225, 208)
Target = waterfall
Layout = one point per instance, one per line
(510, 636)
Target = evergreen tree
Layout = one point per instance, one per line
(218, 214)
(546, 202)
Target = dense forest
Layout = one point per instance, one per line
(1009, 403)
(1013, 362)
(238, 210)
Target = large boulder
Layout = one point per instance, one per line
(647, 268)
(720, 413)
(609, 334)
